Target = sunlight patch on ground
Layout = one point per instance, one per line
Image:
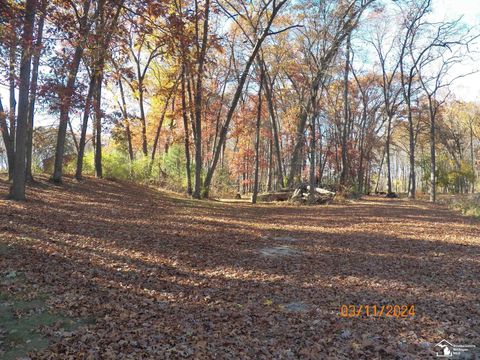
(283, 250)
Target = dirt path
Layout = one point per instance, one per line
(164, 277)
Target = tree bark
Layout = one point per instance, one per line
(83, 133)
(432, 110)
(273, 121)
(257, 137)
(198, 104)
(64, 115)
(66, 98)
(433, 184)
(7, 140)
(387, 153)
(345, 170)
(17, 191)
(361, 170)
(379, 172)
(126, 121)
(472, 156)
(411, 132)
(312, 156)
(187, 134)
(97, 102)
(13, 101)
(33, 91)
(270, 166)
(142, 119)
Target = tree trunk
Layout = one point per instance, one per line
(64, 114)
(104, 35)
(387, 153)
(345, 170)
(187, 134)
(270, 166)
(83, 133)
(13, 102)
(411, 133)
(66, 99)
(299, 143)
(379, 172)
(198, 97)
(361, 170)
(273, 121)
(313, 150)
(433, 184)
(321, 162)
(142, 119)
(98, 123)
(17, 191)
(126, 121)
(74, 137)
(128, 134)
(160, 124)
(472, 157)
(7, 140)
(33, 91)
(257, 137)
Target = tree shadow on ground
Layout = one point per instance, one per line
(177, 276)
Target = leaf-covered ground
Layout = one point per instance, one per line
(153, 275)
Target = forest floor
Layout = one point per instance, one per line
(110, 270)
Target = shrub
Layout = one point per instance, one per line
(117, 165)
(451, 177)
(223, 185)
(467, 204)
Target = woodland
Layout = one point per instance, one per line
(226, 179)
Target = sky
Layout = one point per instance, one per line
(466, 89)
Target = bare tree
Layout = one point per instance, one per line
(408, 66)
(447, 48)
(389, 71)
(256, 40)
(334, 23)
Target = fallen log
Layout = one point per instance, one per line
(322, 191)
(308, 198)
(274, 196)
(301, 194)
